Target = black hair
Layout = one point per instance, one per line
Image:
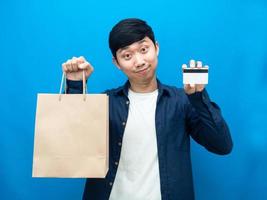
(128, 31)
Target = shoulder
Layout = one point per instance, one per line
(175, 97)
(114, 91)
(174, 91)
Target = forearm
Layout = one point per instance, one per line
(74, 87)
(209, 127)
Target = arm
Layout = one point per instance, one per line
(73, 68)
(74, 87)
(204, 122)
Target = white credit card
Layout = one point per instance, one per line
(195, 75)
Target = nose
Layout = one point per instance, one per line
(139, 61)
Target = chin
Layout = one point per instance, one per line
(148, 78)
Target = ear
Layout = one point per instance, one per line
(115, 62)
(157, 47)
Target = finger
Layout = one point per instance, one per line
(184, 66)
(186, 86)
(74, 60)
(89, 71)
(64, 68)
(68, 66)
(192, 64)
(200, 87)
(192, 86)
(188, 89)
(189, 86)
(81, 60)
(74, 65)
(199, 64)
(86, 66)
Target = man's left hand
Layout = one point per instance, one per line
(192, 88)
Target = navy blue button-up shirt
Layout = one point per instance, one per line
(178, 116)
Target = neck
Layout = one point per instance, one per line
(144, 87)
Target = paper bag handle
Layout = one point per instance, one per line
(64, 81)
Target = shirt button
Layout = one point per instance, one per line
(123, 123)
(119, 143)
(116, 163)
(127, 102)
(110, 183)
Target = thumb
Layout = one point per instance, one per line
(84, 65)
(81, 60)
(192, 86)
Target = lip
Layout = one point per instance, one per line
(142, 70)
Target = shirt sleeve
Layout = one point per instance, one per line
(74, 87)
(205, 124)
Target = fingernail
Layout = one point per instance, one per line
(192, 64)
(184, 66)
(199, 64)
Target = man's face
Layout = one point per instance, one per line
(138, 60)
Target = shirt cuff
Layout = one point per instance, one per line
(199, 98)
(74, 87)
(202, 103)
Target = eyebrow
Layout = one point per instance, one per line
(139, 42)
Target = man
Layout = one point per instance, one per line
(150, 123)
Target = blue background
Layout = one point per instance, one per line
(229, 36)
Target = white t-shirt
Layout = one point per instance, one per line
(137, 177)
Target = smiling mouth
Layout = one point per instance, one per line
(142, 70)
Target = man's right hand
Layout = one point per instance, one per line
(74, 67)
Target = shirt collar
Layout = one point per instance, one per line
(163, 89)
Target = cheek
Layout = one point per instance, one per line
(152, 58)
(126, 65)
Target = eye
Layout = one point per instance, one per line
(127, 56)
(144, 49)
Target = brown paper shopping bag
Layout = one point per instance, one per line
(71, 135)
